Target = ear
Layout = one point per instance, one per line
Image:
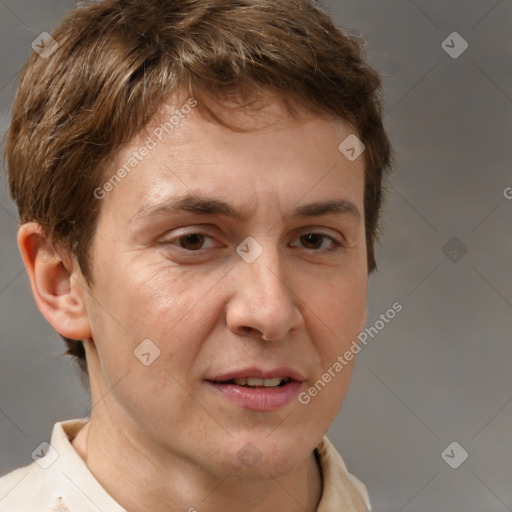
(57, 283)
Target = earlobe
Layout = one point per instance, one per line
(56, 281)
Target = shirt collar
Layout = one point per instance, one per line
(342, 491)
(78, 485)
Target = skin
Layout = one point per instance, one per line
(300, 304)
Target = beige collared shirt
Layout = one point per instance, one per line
(60, 481)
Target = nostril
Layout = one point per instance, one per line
(247, 330)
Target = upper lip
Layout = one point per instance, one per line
(258, 373)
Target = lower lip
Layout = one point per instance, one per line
(259, 399)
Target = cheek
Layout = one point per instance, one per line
(341, 306)
(339, 314)
(174, 309)
(177, 312)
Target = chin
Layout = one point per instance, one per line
(253, 457)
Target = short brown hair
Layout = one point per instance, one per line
(118, 61)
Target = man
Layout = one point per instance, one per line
(199, 186)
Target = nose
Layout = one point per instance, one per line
(263, 304)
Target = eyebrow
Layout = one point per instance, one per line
(213, 206)
(340, 206)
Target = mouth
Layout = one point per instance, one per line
(257, 390)
(254, 382)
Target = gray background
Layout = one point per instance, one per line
(440, 371)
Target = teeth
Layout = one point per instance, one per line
(259, 383)
(267, 383)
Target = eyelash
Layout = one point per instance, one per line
(336, 245)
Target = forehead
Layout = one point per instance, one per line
(264, 151)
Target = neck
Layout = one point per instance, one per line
(144, 478)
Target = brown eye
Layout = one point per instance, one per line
(193, 242)
(312, 240)
(320, 243)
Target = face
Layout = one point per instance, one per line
(223, 257)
